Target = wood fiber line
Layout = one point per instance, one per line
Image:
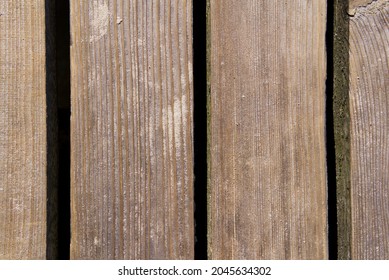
(131, 129)
(22, 130)
(369, 111)
(267, 163)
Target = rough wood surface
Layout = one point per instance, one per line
(354, 5)
(22, 130)
(267, 165)
(131, 129)
(369, 106)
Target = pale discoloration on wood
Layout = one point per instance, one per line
(369, 107)
(22, 130)
(99, 19)
(267, 130)
(132, 152)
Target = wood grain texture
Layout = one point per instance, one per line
(354, 5)
(267, 165)
(369, 106)
(22, 130)
(131, 129)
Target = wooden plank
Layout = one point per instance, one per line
(267, 165)
(131, 130)
(369, 111)
(22, 130)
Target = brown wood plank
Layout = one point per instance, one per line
(369, 111)
(22, 130)
(267, 162)
(131, 129)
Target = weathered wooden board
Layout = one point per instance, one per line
(131, 130)
(267, 162)
(369, 112)
(22, 130)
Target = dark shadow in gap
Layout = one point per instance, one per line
(51, 135)
(200, 127)
(330, 141)
(339, 146)
(338, 131)
(62, 15)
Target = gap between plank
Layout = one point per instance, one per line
(51, 134)
(330, 138)
(200, 127)
(62, 18)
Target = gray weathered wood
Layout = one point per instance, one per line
(131, 129)
(369, 111)
(267, 162)
(22, 130)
